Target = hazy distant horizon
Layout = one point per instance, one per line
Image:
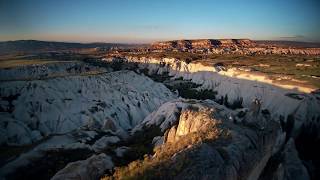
(142, 43)
(141, 22)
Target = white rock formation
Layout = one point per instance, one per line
(104, 142)
(91, 168)
(168, 114)
(117, 101)
(280, 100)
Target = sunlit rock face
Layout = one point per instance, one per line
(116, 101)
(190, 121)
(203, 138)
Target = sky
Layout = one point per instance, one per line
(144, 21)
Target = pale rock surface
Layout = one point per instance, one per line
(121, 150)
(115, 101)
(190, 121)
(167, 115)
(104, 142)
(158, 141)
(279, 100)
(70, 108)
(91, 168)
(292, 167)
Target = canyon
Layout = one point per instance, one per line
(154, 118)
(160, 90)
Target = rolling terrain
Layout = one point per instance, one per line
(136, 113)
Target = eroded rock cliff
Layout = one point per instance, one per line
(202, 141)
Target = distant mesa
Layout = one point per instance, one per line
(237, 46)
(203, 43)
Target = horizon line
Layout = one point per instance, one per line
(141, 43)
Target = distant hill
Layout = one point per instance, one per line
(18, 46)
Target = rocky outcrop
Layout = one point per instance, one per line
(229, 43)
(190, 121)
(291, 168)
(164, 45)
(203, 142)
(104, 142)
(202, 43)
(91, 168)
(184, 44)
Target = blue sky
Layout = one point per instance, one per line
(141, 21)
